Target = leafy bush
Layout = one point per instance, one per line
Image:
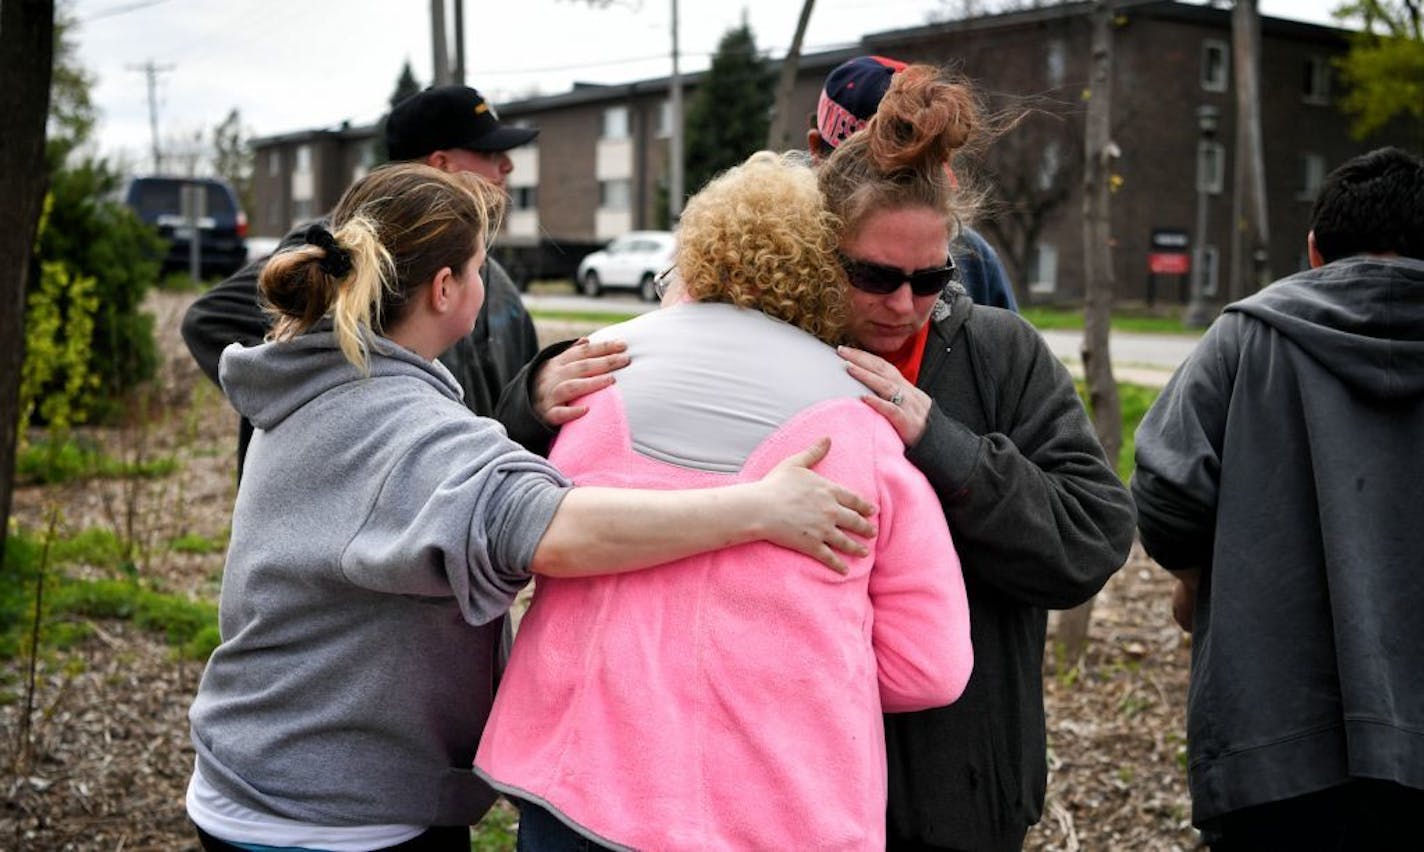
(95, 237)
(67, 603)
(55, 380)
(63, 459)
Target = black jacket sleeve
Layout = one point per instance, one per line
(1036, 511)
(1179, 444)
(230, 312)
(516, 405)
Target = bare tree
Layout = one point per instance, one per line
(1103, 402)
(778, 137)
(26, 66)
(1251, 234)
(1034, 170)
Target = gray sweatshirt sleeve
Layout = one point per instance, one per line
(1178, 450)
(460, 514)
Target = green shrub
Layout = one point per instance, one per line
(190, 626)
(55, 380)
(51, 460)
(95, 237)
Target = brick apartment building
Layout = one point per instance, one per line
(599, 167)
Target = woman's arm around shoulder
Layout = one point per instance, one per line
(1037, 511)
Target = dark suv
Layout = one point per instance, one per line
(222, 242)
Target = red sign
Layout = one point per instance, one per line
(1169, 263)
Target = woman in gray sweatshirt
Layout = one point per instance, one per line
(381, 529)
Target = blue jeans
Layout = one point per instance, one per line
(541, 831)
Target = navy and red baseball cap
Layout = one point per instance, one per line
(444, 117)
(851, 95)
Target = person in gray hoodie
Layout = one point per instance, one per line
(1278, 477)
(381, 529)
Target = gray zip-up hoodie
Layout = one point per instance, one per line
(380, 531)
(1283, 461)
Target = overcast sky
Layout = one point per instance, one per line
(297, 65)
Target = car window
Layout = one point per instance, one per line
(152, 198)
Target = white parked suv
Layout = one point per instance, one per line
(632, 262)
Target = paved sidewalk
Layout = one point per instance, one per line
(1143, 359)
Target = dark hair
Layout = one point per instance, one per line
(397, 226)
(1373, 204)
(900, 158)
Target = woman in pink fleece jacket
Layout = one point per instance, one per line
(732, 700)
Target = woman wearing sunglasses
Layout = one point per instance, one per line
(732, 700)
(991, 417)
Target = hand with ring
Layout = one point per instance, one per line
(904, 405)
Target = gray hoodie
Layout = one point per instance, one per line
(1283, 461)
(380, 531)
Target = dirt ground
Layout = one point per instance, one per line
(108, 756)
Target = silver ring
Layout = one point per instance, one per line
(896, 398)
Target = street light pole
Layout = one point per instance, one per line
(1198, 315)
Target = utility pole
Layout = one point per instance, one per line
(151, 70)
(675, 164)
(459, 77)
(1250, 232)
(439, 46)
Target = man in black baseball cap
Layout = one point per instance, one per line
(454, 128)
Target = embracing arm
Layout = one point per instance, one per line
(1036, 510)
(542, 397)
(231, 312)
(614, 530)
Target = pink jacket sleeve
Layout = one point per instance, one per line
(921, 628)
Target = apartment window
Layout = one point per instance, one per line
(665, 119)
(303, 210)
(274, 162)
(303, 164)
(1056, 63)
(1215, 71)
(1211, 166)
(1048, 165)
(1210, 267)
(1312, 176)
(615, 123)
(1316, 85)
(615, 194)
(1043, 275)
(523, 197)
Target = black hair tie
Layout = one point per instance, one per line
(336, 261)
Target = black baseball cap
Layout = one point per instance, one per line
(449, 117)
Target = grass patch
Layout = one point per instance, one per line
(68, 603)
(199, 544)
(48, 462)
(1135, 400)
(1068, 318)
(496, 832)
(597, 318)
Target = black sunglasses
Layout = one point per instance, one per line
(880, 279)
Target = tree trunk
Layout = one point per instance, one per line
(26, 63)
(778, 137)
(1099, 152)
(1250, 235)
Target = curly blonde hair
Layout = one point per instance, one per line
(759, 236)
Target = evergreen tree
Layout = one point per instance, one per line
(406, 85)
(728, 116)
